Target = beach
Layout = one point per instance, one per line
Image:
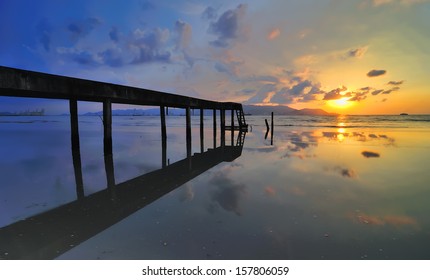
(336, 187)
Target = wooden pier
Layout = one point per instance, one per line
(22, 83)
(48, 234)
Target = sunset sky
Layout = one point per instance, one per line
(344, 56)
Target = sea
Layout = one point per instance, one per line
(314, 187)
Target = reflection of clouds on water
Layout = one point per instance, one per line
(347, 172)
(392, 220)
(270, 191)
(358, 136)
(186, 193)
(369, 154)
(227, 193)
(266, 149)
(298, 143)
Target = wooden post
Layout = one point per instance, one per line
(107, 125)
(232, 127)
(271, 131)
(163, 137)
(202, 145)
(76, 153)
(214, 127)
(222, 127)
(188, 131)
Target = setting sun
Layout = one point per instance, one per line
(341, 103)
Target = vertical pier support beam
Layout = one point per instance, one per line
(271, 131)
(202, 136)
(188, 133)
(222, 127)
(214, 127)
(76, 153)
(107, 125)
(232, 127)
(188, 119)
(163, 137)
(107, 141)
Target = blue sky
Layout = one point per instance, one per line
(357, 56)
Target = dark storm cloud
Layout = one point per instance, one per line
(376, 73)
(227, 27)
(369, 154)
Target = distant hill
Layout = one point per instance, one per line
(283, 110)
(248, 109)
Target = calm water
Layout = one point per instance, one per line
(350, 187)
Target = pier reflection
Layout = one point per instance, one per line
(50, 234)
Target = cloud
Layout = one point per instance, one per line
(150, 46)
(114, 34)
(376, 92)
(335, 94)
(388, 91)
(184, 33)
(369, 154)
(82, 57)
(358, 96)
(298, 89)
(263, 93)
(377, 3)
(395, 83)
(112, 57)
(146, 5)
(44, 29)
(209, 13)
(246, 91)
(376, 73)
(273, 34)
(358, 52)
(80, 29)
(227, 27)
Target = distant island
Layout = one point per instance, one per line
(40, 112)
(284, 110)
(248, 110)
